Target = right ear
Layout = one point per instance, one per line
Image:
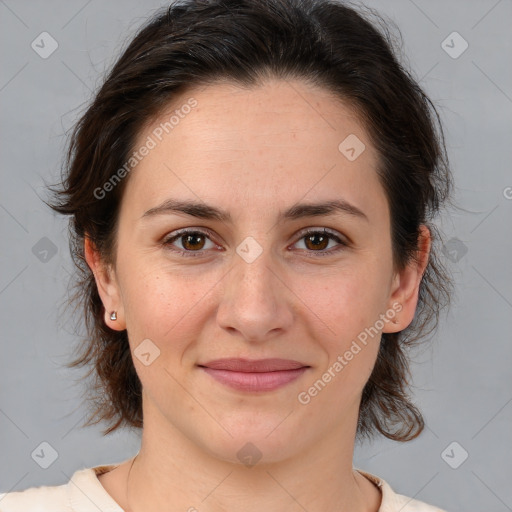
(107, 285)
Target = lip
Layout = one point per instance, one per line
(239, 364)
(254, 375)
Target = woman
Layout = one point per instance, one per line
(251, 195)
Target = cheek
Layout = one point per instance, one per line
(347, 300)
(350, 304)
(332, 305)
(163, 305)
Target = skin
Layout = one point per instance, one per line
(253, 152)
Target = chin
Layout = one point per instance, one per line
(253, 442)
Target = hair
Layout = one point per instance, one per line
(326, 43)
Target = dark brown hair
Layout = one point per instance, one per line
(345, 50)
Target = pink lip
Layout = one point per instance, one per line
(258, 375)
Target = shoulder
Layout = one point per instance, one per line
(406, 504)
(40, 498)
(393, 502)
(82, 493)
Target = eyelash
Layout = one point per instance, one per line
(167, 242)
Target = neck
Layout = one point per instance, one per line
(171, 472)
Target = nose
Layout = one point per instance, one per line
(256, 301)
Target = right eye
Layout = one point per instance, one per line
(192, 241)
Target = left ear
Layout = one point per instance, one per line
(406, 285)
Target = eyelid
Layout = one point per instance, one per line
(341, 240)
(175, 235)
(184, 231)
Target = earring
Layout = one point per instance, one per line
(113, 316)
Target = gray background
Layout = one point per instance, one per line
(462, 378)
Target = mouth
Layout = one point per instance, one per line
(254, 375)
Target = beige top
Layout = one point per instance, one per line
(84, 493)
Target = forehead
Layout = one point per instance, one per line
(272, 143)
(225, 113)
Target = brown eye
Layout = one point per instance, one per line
(317, 241)
(193, 241)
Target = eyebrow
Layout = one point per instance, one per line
(297, 211)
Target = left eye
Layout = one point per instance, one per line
(193, 242)
(319, 241)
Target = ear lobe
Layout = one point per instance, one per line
(107, 286)
(406, 284)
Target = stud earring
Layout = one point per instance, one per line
(113, 316)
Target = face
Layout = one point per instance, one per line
(268, 280)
